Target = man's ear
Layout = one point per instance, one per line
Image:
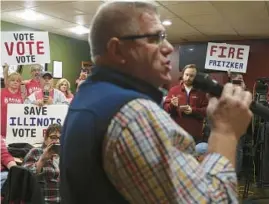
(115, 50)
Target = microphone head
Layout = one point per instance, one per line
(204, 83)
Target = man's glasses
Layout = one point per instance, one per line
(54, 137)
(153, 38)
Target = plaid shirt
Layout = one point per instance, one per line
(148, 158)
(48, 178)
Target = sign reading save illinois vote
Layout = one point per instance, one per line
(27, 123)
(224, 57)
(21, 48)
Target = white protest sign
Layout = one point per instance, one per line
(224, 57)
(27, 123)
(21, 48)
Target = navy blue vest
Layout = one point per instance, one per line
(83, 179)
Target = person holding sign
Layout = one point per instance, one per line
(186, 105)
(10, 94)
(44, 163)
(47, 95)
(33, 84)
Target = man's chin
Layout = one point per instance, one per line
(167, 78)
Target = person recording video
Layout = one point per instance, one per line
(44, 163)
(47, 95)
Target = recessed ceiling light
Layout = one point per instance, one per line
(30, 15)
(80, 30)
(167, 23)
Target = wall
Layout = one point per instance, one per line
(68, 50)
(258, 63)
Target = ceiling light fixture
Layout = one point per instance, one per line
(167, 23)
(80, 30)
(30, 15)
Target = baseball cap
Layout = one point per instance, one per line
(43, 74)
(201, 148)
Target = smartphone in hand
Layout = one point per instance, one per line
(55, 148)
(183, 107)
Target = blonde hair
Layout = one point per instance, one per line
(60, 83)
(14, 75)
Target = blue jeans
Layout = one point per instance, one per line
(239, 154)
(4, 175)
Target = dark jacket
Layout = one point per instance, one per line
(100, 97)
(21, 187)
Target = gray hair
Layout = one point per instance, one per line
(115, 19)
(36, 67)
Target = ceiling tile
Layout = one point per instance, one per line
(78, 19)
(212, 30)
(206, 19)
(32, 4)
(253, 30)
(194, 37)
(192, 8)
(236, 6)
(57, 23)
(9, 17)
(10, 6)
(165, 14)
(178, 26)
(88, 7)
(225, 37)
(175, 39)
(170, 2)
(59, 10)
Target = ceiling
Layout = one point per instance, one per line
(191, 20)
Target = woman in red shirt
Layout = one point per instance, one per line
(7, 161)
(10, 94)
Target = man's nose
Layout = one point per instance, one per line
(167, 48)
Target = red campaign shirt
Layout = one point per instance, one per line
(192, 123)
(5, 155)
(7, 97)
(32, 86)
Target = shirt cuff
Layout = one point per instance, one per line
(215, 163)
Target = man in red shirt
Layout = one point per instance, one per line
(186, 105)
(33, 84)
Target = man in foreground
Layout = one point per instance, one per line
(119, 146)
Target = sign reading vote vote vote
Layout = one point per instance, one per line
(27, 123)
(224, 57)
(21, 48)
